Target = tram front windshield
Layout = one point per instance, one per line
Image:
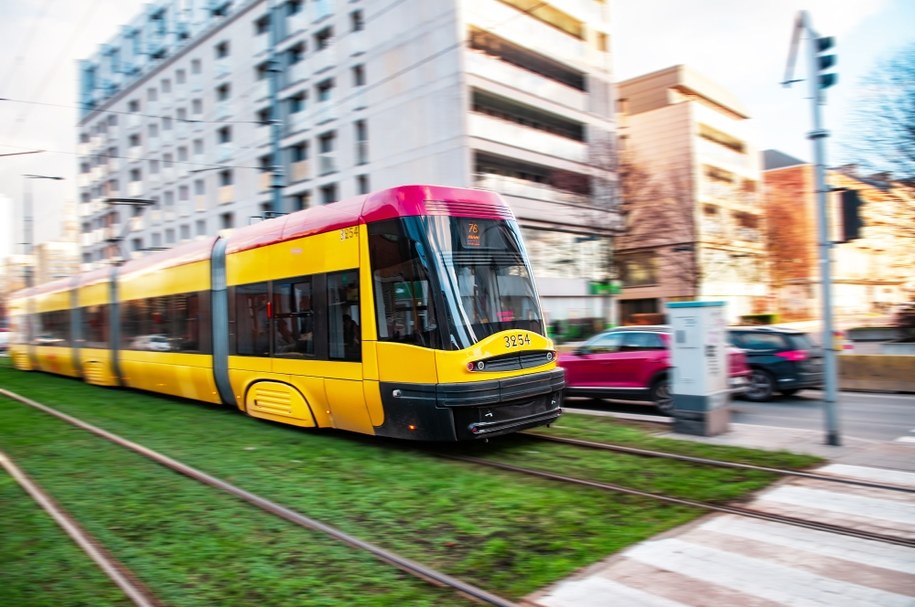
(448, 282)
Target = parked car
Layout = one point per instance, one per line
(633, 363)
(781, 360)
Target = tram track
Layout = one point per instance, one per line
(409, 566)
(714, 462)
(707, 506)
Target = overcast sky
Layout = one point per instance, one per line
(740, 44)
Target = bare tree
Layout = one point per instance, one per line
(660, 225)
(883, 125)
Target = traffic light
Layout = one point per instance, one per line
(825, 79)
(851, 215)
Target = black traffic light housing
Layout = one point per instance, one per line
(825, 79)
(852, 223)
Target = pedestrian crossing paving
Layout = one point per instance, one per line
(728, 560)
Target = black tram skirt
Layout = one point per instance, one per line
(453, 412)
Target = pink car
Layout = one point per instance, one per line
(633, 363)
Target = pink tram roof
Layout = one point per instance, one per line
(401, 201)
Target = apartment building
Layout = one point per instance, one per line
(509, 95)
(869, 274)
(695, 218)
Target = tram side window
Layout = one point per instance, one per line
(404, 304)
(190, 325)
(344, 334)
(95, 326)
(251, 320)
(293, 319)
(136, 329)
(53, 329)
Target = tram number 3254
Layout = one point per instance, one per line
(516, 341)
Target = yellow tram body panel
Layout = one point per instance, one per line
(96, 364)
(179, 374)
(302, 256)
(56, 359)
(187, 278)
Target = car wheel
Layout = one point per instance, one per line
(661, 396)
(762, 386)
(790, 391)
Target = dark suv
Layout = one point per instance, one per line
(781, 360)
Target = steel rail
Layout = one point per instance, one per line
(736, 510)
(714, 462)
(125, 579)
(409, 566)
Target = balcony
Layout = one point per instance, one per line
(324, 59)
(135, 189)
(518, 136)
(265, 181)
(224, 152)
(498, 71)
(261, 89)
(512, 186)
(226, 194)
(326, 111)
(719, 155)
(298, 121)
(526, 31)
(299, 171)
(327, 163)
(297, 72)
(222, 68)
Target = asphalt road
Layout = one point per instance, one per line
(866, 415)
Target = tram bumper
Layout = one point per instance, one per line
(467, 411)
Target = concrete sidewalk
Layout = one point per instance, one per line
(728, 561)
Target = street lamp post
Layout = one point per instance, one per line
(28, 222)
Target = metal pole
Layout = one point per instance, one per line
(28, 224)
(275, 114)
(818, 136)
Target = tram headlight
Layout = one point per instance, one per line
(478, 365)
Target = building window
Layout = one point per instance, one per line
(227, 221)
(362, 142)
(224, 134)
(201, 227)
(297, 103)
(298, 152)
(357, 21)
(323, 38)
(225, 177)
(262, 25)
(325, 90)
(166, 123)
(295, 54)
(362, 184)
(152, 94)
(262, 71)
(223, 92)
(263, 116)
(197, 107)
(153, 130)
(359, 75)
(133, 106)
(196, 66)
(222, 50)
(134, 140)
(199, 187)
(182, 154)
(166, 85)
(329, 193)
(293, 7)
(180, 76)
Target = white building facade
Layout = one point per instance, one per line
(506, 95)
